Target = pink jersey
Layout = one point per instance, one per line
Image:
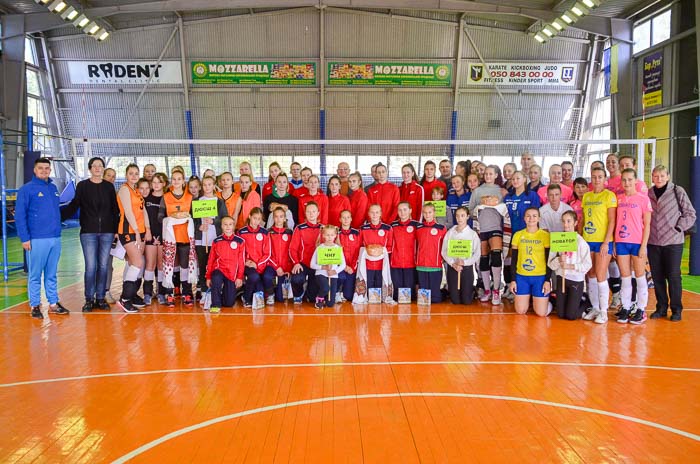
(566, 193)
(578, 209)
(630, 217)
(615, 185)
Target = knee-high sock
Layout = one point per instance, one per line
(593, 292)
(642, 292)
(626, 292)
(604, 295)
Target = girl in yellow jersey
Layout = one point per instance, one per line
(530, 252)
(599, 214)
(133, 231)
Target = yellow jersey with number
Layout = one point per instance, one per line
(531, 252)
(595, 214)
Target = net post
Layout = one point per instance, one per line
(640, 160)
(3, 194)
(322, 136)
(188, 125)
(453, 136)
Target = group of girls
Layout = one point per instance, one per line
(267, 239)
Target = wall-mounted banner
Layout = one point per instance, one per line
(522, 74)
(253, 73)
(390, 74)
(124, 72)
(653, 79)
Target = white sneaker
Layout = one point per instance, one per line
(339, 298)
(109, 298)
(270, 300)
(591, 314)
(601, 318)
(549, 308)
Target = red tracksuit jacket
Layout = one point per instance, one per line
(299, 192)
(428, 187)
(227, 254)
(404, 254)
(429, 237)
(413, 194)
(280, 239)
(387, 196)
(321, 200)
(359, 204)
(257, 246)
(337, 204)
(304, 241)
(350, 241)
(380, 234)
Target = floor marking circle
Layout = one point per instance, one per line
(158, 441)
(349, 364)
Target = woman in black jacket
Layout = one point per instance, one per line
(97, 202)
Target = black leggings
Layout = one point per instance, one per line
(568, 303)
(465, 295)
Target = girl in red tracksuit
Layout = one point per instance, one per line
(429, 181)
(257, 254)
(280, 239)
(336, 201)
(385, 194)
(359, 204)
(375, 232)
(349, 238)
(225, 268)
(429, 259)
(304, 240)
(403, 258)
(411, 191)
(317, 197)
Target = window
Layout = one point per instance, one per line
(601, 115)
(29, 52)
(652, 31)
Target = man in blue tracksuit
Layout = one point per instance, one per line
(38, 221)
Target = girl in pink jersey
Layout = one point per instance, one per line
(631, 237)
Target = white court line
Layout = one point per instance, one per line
(349, 364)
(249, 412)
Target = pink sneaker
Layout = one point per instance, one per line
(486, 296)
(496, 298)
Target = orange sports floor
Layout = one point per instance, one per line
(379, 384)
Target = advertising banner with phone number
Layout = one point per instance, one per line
(522, 74)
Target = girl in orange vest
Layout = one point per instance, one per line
(249, 199)
(229, 195)
(133, 231)
(177, 204)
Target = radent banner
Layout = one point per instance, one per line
(653, 79)
(124, 72)
(522, 74)
(255, 73)
(390, 74)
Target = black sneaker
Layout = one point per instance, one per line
(87, 307)
(676, 317)
(138, 302)
(58, 308)
(623, 316)
(36, 312)
(127, 306)
(101, 305)
(658, 314)
(638, 317)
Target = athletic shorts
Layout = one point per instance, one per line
(624, 249)
(530, 285)
(595, 247)
(484, 236)
(127, 238)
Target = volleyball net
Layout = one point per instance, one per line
(323, 156)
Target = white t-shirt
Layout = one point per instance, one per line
(550, 220)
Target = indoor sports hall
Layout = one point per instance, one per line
(327, 231)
